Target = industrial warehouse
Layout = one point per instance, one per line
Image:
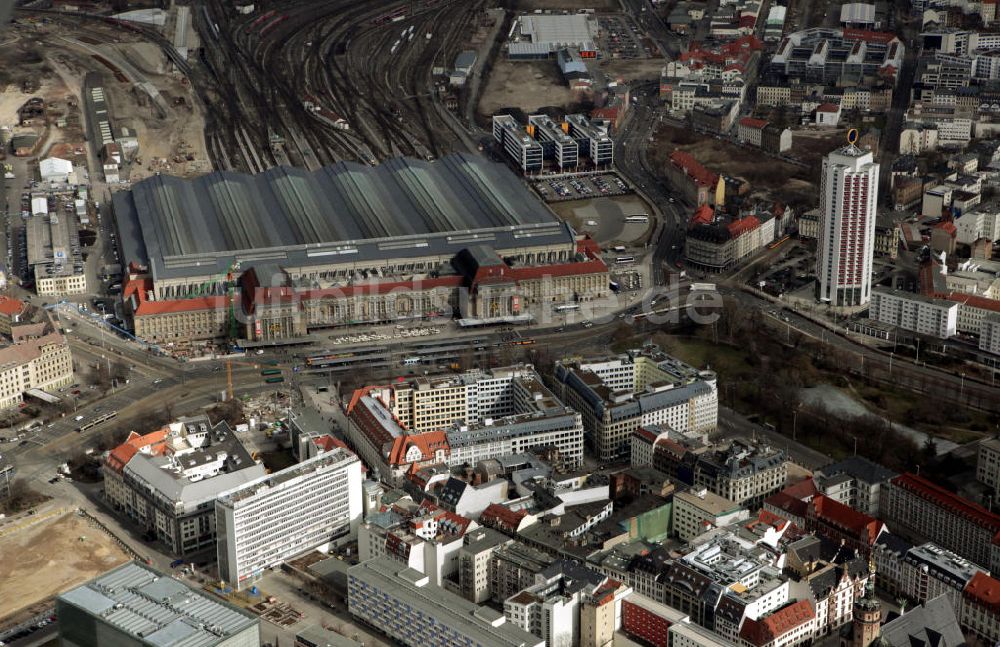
(269, 256)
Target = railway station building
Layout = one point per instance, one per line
(270, 256)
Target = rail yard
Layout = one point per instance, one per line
(318, 82)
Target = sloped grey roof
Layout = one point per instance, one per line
(932, 624)
(168, 217)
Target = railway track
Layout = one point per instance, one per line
(258, 71)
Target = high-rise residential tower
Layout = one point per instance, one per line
(848, 195)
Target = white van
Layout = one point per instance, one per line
(410, 361)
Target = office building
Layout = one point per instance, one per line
(742, 472)
(166, 481)
(34, 361)
(697, 511)
(855, 481)
(564, 144)
(423, 537)
(842, 525)
(570, 605)
(791, 625)
(460, 419)
(846, 245)
(988, 462)
(556, 143)
(914, 312)
(513, 567)
(592, 138)
(135, 605)
(989, 333)
(54, 254)
(980, 610)
(617, 395)
(519, 146)
(474, 562)
(402, 603)
(307, 506)
(918, 509)
(272, 255)
(649, 621)
(844, 57)
(927, 571)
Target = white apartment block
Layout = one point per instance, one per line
(915, 312)
(697, 511)
(641, 388)
(981, 223)
(988, 462)
(269, 520)
(36, 363)
(989, 334)
(408, 608)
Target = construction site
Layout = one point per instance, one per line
(46, 552)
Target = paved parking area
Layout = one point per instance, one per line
(620, 38)
(581, 186)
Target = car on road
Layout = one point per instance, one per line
(78, 418)
(157, 380)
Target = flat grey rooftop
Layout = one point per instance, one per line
(157, 609)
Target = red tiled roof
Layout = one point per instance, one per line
(803, 490)
(610, 113)
(329, 443)
(11, 306)
(947, 226)
(687, 163)
(768, 518)
(945, 499)
(586, 246)
(985, 590)
(739, 227)
(845, 518)
(765, 630)
(703, 216)
(139, 288)
(869, 35)
(427, 442)
(646, 434)
(788, 504)
(750, 122)
(972, 300)
(828, 107)
(122, 454)
(502, 518)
